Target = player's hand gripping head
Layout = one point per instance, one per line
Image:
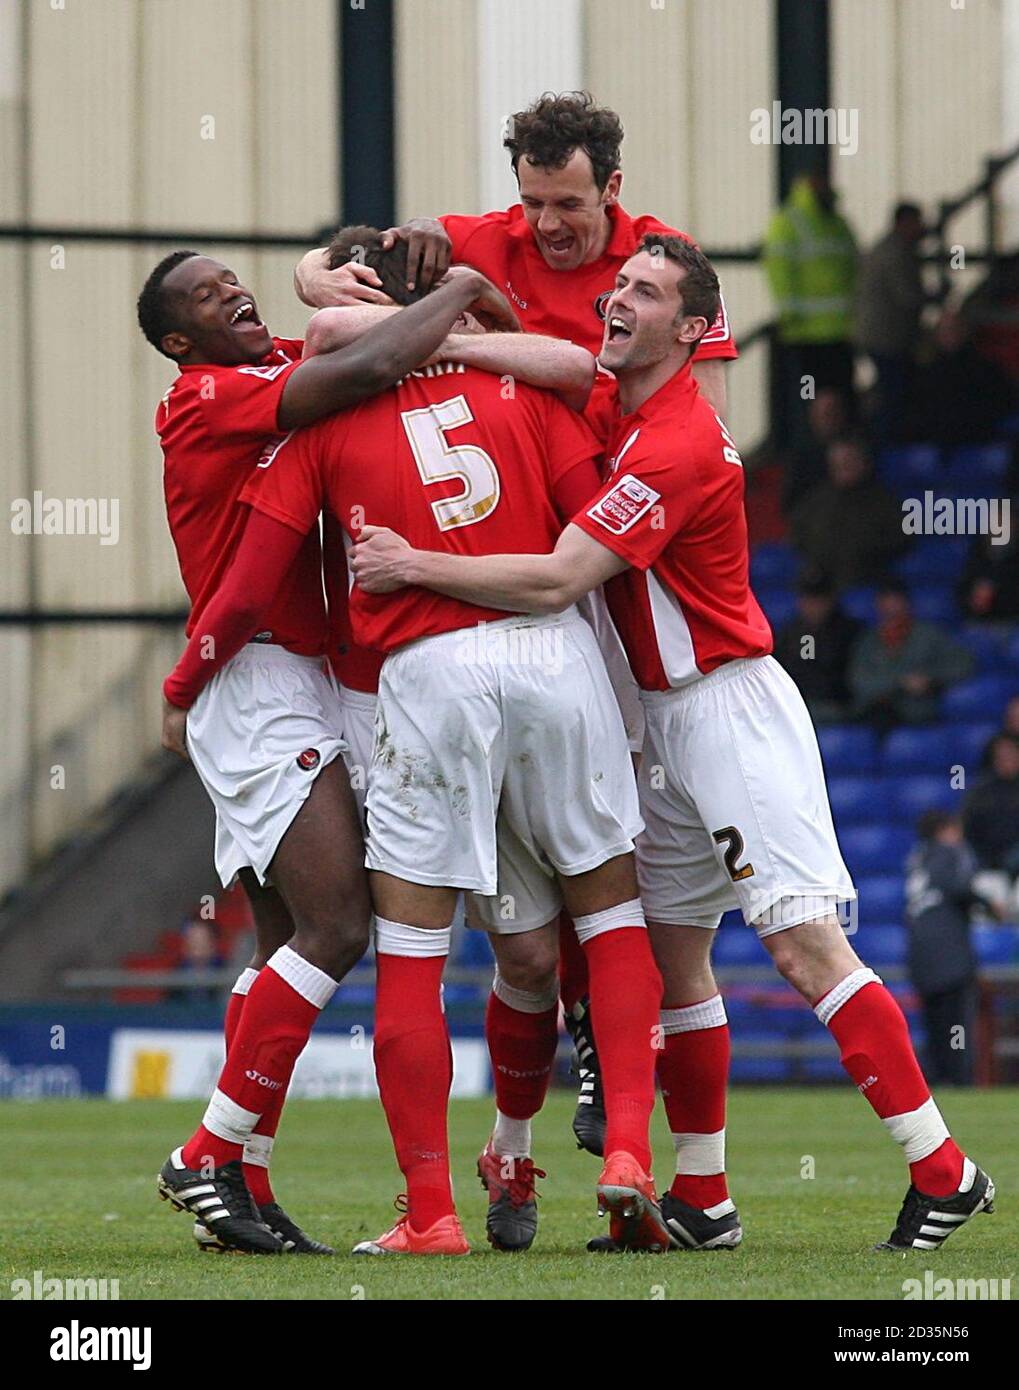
(193, 309)
(369, 247)
(565, 154)
(665, 299)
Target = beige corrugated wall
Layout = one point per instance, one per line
(118, 98)
(134, 113)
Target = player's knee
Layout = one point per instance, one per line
(335, 937)
(534, 970)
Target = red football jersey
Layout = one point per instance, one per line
(672, 506)
(452, 461)
(355, 667)
(562, 303)
(213, 424)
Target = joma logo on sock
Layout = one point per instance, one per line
(866, 1085)
(253, 1075)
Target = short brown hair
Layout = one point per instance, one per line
(364, 244)
(698, 289)
(555, 125)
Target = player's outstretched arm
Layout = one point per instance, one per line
(266, 551)
(553, 363)
(334, 380)
(382, 561)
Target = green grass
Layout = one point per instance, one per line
(80, 1200)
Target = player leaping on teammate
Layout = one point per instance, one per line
(731, 783)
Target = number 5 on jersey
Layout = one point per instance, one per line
(438, 460)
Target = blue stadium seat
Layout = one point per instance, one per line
(875, 849)
(988, 646)
(996, 945)
(920, 750)
(774, 566)
(737, 945)
(980, 460)
(847, 747)
(881, 945)
(911, 795)
(779, 606)
(970, 742)
(933, 559)
(859, 604)
(1012, 652)
(982, 697)
(909, 467)
(856, 800)
(880, 899)
(934, 604)
(474, 950)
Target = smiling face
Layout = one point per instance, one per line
(644, 319)
(566, 211)
(216, 318)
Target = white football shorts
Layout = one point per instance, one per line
(258, 735)
(500, 759)
(735, 805)
(357, 712)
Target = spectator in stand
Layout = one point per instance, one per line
(900, 667)
(890, 296)
(815, 648)
(990, 581)
(959, 395)
(990, 812)
(849, 525)
(201, 953)
(810, 263)
(828, 418)
(941, 960)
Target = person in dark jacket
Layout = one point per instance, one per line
(991, 810)
(941, 960)
(815, 647)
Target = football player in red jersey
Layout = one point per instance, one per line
(732, 789)
(500, 755)
(556, 254)
(266, 739)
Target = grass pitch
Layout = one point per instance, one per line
(816, 1180)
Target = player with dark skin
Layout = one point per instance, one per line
(323, 895)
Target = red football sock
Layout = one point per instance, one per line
(626, 994)
(414, 1066)
(522, 1047)
(573, 981)
(877, 1052)
(234, 1009)
(273, 1029)
(693, 1072)
(256, 1175)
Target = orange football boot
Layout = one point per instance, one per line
(444, 1237)
(628, 1194)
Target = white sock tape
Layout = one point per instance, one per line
(919, 1132)
(709, 1013)
(245, 980)
(398, 939)
(309, 982)
(700, 1155)
(629, 914)
(524, 1001)
(227, 1120)
(843, 992)
(258, 1149)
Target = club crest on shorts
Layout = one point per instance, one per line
(309, 759)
